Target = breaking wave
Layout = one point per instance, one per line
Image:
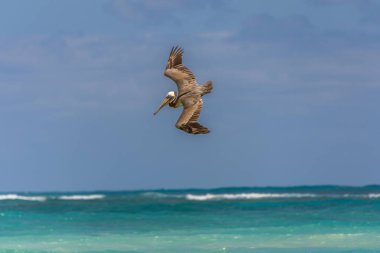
(210, 196)
(20, 197)
(191, 196)
(82, 197)
(44, 198)
(249, 196)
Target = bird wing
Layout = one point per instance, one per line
(179, 73)
(188, 119)
(197, 112)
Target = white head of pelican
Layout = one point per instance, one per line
(169, 99)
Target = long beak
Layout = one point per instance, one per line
(164, 102)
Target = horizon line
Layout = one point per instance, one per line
(194, 189)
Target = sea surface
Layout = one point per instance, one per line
(294, 219)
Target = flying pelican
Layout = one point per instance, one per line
(189, 94)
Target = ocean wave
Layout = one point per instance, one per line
(231, 196)
(358, 196)
(44, 198)
(192, 196)
(81, 197)
(159, 195)
(249, 196)
(155, 195)
(20, 197)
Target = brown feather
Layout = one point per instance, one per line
(189, 93)
(188, 120)
(179, 73)
(197, 112)
(175, 57)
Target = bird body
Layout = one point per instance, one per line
(189, 94)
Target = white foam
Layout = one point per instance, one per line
(374, 195)
(249, 196)
(81, 197)
(19, 197)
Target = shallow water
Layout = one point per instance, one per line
(278, 220)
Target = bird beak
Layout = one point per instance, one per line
(164, 102)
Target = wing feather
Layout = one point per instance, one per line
(187, 114)
(179, 73)
(197, 112)
(189, 117)
(175, 57)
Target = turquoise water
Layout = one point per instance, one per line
(297, 219)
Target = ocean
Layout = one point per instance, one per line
(311, 219)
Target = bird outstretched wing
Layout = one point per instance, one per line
(188, 120)
(179, 73)
(175, 57)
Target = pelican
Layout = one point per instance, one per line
(189, 94)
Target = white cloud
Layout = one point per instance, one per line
(268, 55)
(75, 73)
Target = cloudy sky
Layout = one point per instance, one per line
(295, 99)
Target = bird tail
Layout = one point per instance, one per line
(206, 87)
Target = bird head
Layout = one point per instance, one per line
(170, 97)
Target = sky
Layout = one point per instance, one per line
(295, 99)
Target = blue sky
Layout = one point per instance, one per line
(295, 100)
